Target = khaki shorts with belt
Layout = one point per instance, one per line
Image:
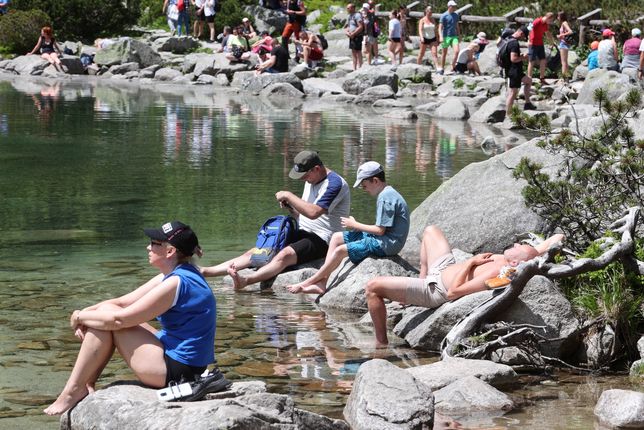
(430, 292)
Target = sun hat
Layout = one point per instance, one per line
(304, 161)
(636, 32)
(177, 234)
(451, 3)
(594, 45)
(367, 170)
(608, 32)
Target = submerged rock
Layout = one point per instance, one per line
(442, 373)
(470, 395)
(621, 408)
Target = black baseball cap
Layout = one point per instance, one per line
(304, 161)
(177, 234)
(525, 31)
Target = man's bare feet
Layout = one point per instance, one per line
(66, 401)
(239, 281)
(306, 287)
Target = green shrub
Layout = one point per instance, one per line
(85, 19)
(19, 30)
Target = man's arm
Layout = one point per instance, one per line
(543, 247)
(267, 64)
(352, 224)
(309, 210)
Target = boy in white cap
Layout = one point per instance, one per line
(386, 237)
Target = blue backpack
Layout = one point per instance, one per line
(274, 235)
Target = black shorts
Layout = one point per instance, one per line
(308, 246)
(395, 39)
(461, 67)
(515, 75)
(200, 15)
(429, 41)
(536, 52)
(210, 18)
(355, 44)
(176, 371)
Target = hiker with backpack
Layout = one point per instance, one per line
(354, 29)
(386, 237)
(325, 200)
(510, 58)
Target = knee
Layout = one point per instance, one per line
(431, 230)
(372, 288)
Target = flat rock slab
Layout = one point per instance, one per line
(440, 374)
(132, 406)
(469, 396)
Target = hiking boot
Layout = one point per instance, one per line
(529, 106)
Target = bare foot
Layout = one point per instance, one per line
(305, 287)
(294, 288)
(66, 401)
(239, 281)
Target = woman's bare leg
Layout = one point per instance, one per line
(421, 53)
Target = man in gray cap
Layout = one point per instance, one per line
(326, 199)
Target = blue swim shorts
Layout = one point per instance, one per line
(361, 245)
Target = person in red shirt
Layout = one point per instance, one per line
(536, 50)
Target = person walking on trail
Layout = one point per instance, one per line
(354, 29)
(386, 237)
(429, 39)
(441, 278)
(449, 31)
(536, 48)
(325, 200)
(514, 71)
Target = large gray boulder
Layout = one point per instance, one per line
(167, 74)
(27, 65)
(373, 94)
(255, 84)
(265, 19)
(452, 108)
(442, 373)
(469, 396)
(370, 76)
(387, 397)
(345, 289)
(621, 408)
(281, 89)
(318, 87)
(415, 73)
(132, 406)
(480, 215)
(176, 44)
(614, 83)
(126, 50)
(492, 111)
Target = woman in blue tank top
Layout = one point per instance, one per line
(179, 297)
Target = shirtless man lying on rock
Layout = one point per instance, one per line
(441, 278)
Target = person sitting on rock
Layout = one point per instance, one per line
(311, 47)
(441, 278)
(277, 62)
(247, 29)
(179, 297)
(325, 200)
(49, 49)
(593, 57)
(386, 237)
(223, 37)
(238, 47)
(608, 56)
(466, 61)
(631, 51)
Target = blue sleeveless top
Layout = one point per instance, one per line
(188, 327)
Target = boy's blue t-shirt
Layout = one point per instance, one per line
(392, 212)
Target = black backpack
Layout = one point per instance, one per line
(503, 54)
(323, 41)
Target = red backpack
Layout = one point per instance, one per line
(181, 5)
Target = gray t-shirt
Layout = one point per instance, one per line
(332, 194)
(353, 21)
(392, 212)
